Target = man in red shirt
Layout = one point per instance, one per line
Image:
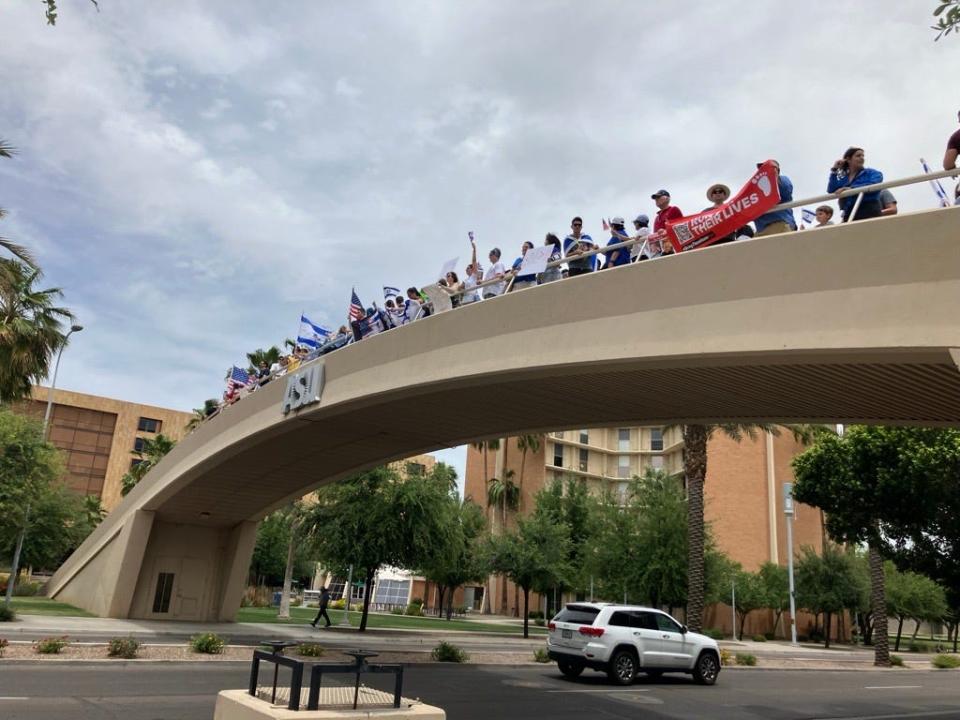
(665, 211)
(950, 156)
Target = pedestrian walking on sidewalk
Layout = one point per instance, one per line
(324, 601)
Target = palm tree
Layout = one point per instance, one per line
(524, 443)
(7, 151)
(150, 453)
(505, 494)
(269, 356)
(484, 446)
(30, 328)
(695, 439)
(201, 414)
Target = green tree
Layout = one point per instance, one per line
(51, 10)
(201, 414)
(378, 518)
(29, 471)
(534, 557)
(294, 515)
(461, 561)
(750, 595)
(894, 489)
(31, 329)
(948, 17)
(827, 583)
(504, 494)
(18, 251)
(661, 508)
(484, 447)
(268, 564)
(269, 356)
(912, 596)
(776, 590)
(150, 453)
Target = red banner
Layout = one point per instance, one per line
(756, 197)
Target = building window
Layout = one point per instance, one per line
(135, 462)
(138, 444)
(656, 462)
(148, 425)
(392, 592)
(584, 437)
(584, 459)
(622, 489)
(656, 439)
(557, 455)
(623, 466)
(416, 469)
(356, 592)
(623, 439)
(161, 598)
(336, 587)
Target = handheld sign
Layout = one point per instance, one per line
(448, 266)
(535, 260)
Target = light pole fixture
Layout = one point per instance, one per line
(53, 385)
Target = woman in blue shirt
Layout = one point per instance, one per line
(523, 281)
(849, 172)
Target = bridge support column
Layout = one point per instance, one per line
(237, 554)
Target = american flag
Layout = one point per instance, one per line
(356, 311)
(238, 376)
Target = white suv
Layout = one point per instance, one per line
(623, 640)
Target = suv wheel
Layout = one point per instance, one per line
(571, 670)
(707, 669)
(623, 667)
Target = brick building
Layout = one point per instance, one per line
(743, 492)
(97, 435)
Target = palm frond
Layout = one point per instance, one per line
(18, 251)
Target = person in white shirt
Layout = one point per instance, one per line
(641, 226)
(473, 274)
(494, 272)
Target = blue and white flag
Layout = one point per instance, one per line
(937, 187)
(808, 216)
(311, 334)
(390, 292)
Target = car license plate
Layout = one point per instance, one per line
(567, 634)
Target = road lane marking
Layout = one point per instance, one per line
(890, 687)
(601, 691)
(12, 697)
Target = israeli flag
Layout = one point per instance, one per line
(808, 216)
(311, 334)
(389, 292)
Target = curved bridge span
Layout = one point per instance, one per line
(853, 323)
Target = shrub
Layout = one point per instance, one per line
(26, 589)
(726, 657)
(3, 645)
(535, 614)
(714, 633)
(539, 622)
(415, 609)
(338, 604)
(123, 647)
(759, 638)
(896, 661)
(311, 650)
(256, 596)
(916, 647)
(540, 655)
(768, 636)
(7, 614)
(946, 662)
(448, 652)
(51, 645)
(207, 643)
(397, 611)
(746, 659)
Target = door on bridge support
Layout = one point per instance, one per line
(179, 588)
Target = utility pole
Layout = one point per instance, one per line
(733, 606)
(788, 511)
(346, 611)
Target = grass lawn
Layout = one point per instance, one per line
(45, 606)
(381, 620)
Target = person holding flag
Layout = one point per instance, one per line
(310, 334)
(935, 184)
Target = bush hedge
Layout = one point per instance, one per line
(311, 650)
(123, 647)
(946, 662)
(207, 643)
(746, 659)
(540, 655)
(51, 645)
(7, 614)
(448, 652)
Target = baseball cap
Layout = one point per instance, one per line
(641, 219)
(658, 193)
(617, 221)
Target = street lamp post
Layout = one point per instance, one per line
(788, 511)
(15, 566)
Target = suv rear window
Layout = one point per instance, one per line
(578, 614)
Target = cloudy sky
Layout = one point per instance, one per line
(196, 174)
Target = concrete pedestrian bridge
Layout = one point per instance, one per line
(853, 323)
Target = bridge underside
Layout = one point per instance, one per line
(841, 326)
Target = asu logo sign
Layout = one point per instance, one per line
(304, 387)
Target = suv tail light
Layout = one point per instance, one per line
(591, 631)
(551, 626)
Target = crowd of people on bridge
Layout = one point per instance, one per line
(578, 254)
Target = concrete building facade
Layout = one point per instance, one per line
(98, 434)
(743, 491)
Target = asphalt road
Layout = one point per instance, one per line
(182, 691)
